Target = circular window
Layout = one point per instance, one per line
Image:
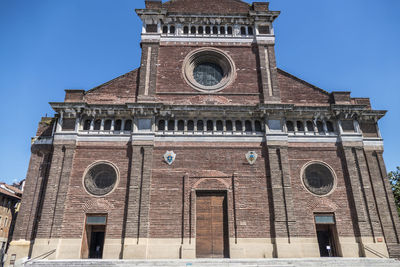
(208, 69)
(318, 178)
(100, 178)
(208, 74)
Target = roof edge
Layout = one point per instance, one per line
(303, 81)
(111, 81)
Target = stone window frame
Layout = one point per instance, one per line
(165, 29)
(348, 126)
(310, 126)
(151, 28)
(264, 29)
(212, 55)
(86, 124)
(107, 124)
(300, 126)
(290, 126)
(68, 124)
(320, 127)
(335, 179)
(98, 162)
(186, 29)
(206, 30)
(215, 30)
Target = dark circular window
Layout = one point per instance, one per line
(208, 69)
(100, 179)
(208, 74)
(318, 179)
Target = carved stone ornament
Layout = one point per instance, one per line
(251, 157)
(169, 157)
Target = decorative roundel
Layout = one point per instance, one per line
(100, 178)
(208, 69)
(318, 178)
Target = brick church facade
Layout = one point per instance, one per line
(207, 150)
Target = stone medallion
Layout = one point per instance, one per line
(251, 157)
(169, 157)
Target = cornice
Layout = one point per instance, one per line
(164, 14)
(333, 111)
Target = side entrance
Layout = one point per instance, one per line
(212, 238)
(327, 235)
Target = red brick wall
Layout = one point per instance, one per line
(78, 199)
(252, 212)
(195, 162)
(260, 6)
(295, 91)
(306, 203)
(34, 185)
(120, 90)
(170, 76)
(153, 4)
(207, 6)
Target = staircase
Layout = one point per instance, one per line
(311, 262)
(394, 250)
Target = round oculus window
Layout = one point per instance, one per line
(100, 179)
(318, 179)
(208, 69)
(208, 74)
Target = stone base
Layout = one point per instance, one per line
(112, 249)
(134, 249)
(172, 248)
(188, 251)
(246, 248)
(375, 248)
(297, 248)
(305, 262)
(19, 248)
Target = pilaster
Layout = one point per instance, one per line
(284, 226)
(384, 201)
(138, 200)
(361, 219)
(56, 190)
(269, 74)
(148, 71)
(31, 203)
(366, 187)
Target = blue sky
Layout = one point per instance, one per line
(47, 46)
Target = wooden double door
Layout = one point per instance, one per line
(212, 238)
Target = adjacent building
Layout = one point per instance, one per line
(10, 198)
(208, 149)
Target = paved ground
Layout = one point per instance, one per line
(337, 262)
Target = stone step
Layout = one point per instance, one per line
(394, 250)
(314, 262)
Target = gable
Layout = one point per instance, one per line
(296, 91)
(123, 89)
(207, 6)
(120, 90)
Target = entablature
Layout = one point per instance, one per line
(159, 24)
(359, 112)
(165, 16)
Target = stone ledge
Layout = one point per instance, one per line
(320, 262)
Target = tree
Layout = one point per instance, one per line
(394, 177)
